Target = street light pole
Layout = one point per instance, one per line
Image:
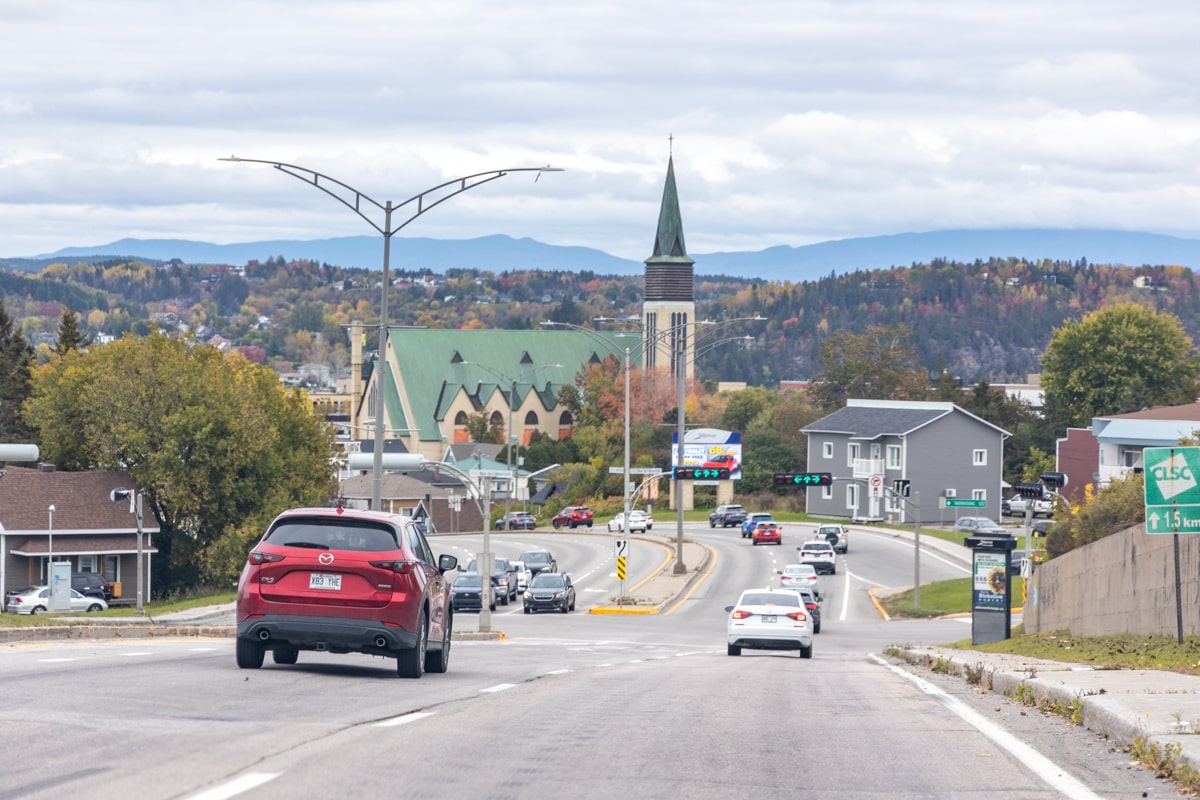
(422, 202)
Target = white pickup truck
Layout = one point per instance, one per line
(1042, 506)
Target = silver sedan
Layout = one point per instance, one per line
(37, 601)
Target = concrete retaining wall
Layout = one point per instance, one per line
(1124, 583)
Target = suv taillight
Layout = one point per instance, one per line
(401, 567)
(257, 557)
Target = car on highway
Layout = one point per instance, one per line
(36, 600)
(344, 580)
(538, 561)
(820, 555)
(767, 533)
(813, 603)
(769, 619)
(837, 535)
(973, 526)
(467, 593)
(572, 517)
(727, 516)
(638, 521)
(800, 576)
(523, 574)
(504, 579)
(550, 591)
(516, 521)
(753, 519)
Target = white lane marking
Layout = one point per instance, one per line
(558, 672)
(236, 786)
(1044, 768)
(202, 649)
(403, 719)
(500, 687)
(138, 653)
(55, 660)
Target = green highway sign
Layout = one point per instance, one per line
(1165, 519)
(964, 502)
(1172, 489)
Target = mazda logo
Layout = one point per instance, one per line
(325, 558)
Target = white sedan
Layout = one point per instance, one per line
(638, 521)
(37, 601)
(769, 619)
(800, 576)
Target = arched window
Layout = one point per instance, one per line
(531, 425)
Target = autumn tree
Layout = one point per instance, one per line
(217, 445)
(879, 364)
(1116, 360)
(16, 357)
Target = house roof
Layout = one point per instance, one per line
(872, 419)
(438, 363)
(1190, 412)
(81, 502)
(1147, 432)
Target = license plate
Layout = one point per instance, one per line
(324, 580)
(768, 617)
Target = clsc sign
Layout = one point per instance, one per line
(1171, 475)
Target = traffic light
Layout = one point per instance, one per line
(901, 488)
(802, 479)
(1034, 490)
(1055, 480)
(701, 473)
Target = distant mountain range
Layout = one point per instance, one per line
(783, 263)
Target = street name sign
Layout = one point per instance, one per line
(964, 502)
(1172, 489)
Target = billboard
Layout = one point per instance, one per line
(709, 448)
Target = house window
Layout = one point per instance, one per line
(827, 450)
(893, 456)
(979, 458)
(826, 492)
(979, 494)
(851, 454)
(852, 497)
(87, 564)
(951, 493)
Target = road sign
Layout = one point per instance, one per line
(964, 502)
(1172, 489)
(1167, 519)
(901, 488)
(494, 474)
(645, 471)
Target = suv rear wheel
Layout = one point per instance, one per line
(411, 662)
(439, 660)
(249, 654)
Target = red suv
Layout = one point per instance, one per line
(344, 581)
(573, 517)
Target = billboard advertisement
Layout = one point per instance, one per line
(709, 448)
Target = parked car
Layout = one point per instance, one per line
(504, 579)
(813, 603)
(800, 576)
(516, 521)
(538, 561)
(974, 526)
(36, 600)
(345, 580)
(1042, 506)
(837, 535)
(751, 520)
(467, 593)
(92, 584)
(523, 574)
(727, 516)
(572, 517)
(767, 533)
(550, 591)
(638, 521)
(769, 619)
(820, 555)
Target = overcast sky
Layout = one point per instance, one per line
(793, 122)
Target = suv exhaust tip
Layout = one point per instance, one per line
(264, 634)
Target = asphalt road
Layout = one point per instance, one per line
(575, 705)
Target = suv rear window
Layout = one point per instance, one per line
(331, 534)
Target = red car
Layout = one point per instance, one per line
(572, 517)
(345, 581)
(722, 460)
(767, 533)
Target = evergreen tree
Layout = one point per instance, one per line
(16, 358)
(69, 336)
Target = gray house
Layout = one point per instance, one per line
(948, 456)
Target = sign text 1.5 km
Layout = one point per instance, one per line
(1172, 476)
